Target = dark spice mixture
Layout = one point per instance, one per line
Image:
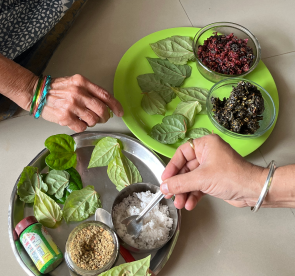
(226, 54)
(242, 111)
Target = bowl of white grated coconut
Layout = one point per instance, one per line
(159, 224)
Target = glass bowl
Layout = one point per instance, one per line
(83, 272)
(223, 89)
(138, 188)
(225, 28)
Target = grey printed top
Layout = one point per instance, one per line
(24, 22)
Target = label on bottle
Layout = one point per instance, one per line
(50, 240)
(36, 248)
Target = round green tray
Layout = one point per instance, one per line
(127, 91)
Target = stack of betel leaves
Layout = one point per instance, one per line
(161, 87)
(63, 183)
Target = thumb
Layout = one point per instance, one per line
(181, 183)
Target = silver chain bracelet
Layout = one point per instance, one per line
(272, 167)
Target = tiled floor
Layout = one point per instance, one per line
(216, 239)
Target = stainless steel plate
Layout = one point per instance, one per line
(147, 162)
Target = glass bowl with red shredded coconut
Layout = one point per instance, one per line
(224, 50)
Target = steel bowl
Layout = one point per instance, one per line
(144, 187)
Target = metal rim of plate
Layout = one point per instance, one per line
(87, 139)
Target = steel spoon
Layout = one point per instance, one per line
(134, 223)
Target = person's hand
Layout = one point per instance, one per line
(77, 103)
(213, 168)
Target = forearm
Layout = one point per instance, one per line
(282, 189)
(16, 82)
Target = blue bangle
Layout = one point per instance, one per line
(43, 98)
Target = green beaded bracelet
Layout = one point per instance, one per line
(35, 95)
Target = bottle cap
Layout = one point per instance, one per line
(24, 223)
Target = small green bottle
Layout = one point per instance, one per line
(39, 244)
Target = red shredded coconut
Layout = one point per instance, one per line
(226, 54)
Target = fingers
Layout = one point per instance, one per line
(86, 115)
(98, 107)
(183, 154)
(183, 183)
(192, 200)
(180, 200)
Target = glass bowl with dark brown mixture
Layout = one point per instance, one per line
(240, 108)
(224, 50)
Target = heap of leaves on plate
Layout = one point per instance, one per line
(81, 204)
(29, 181)
(152, 103)
(177, 49)
(170, 130)
(46, 210)
(62, 149)
(136, 268)
(189, 110)
(121, 171)
(169, 72)
(57, 182)
(192, 94)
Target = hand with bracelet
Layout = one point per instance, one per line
(212, 167)
(70, 101)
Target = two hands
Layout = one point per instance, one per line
(212, 168)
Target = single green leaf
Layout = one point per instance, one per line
(57, 181)
(136, 268)
(169, 72)
(197, 133)
(122, 172)
(152, 103)
(192, 94)
(105, 150)
(29, 180)
(151, 82)
(75, 177)
(188, 110)
(170, 130)
(46, 210)
(177, 49)
(81, 204)
(62, 149)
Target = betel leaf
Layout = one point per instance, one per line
(29, 180)
(136, 268)
(151, 82)
(46, 210)
(177, 49)
(152, 103)
(104, 151)
(189, 110)
(169, 72)
(81, 204)
(170, 130)
(192, 94)
(197, 133)
(57, 182)
(62, 149)
(122, 172)
(75, 178)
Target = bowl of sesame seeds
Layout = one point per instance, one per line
(92, 248)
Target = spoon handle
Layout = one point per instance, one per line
(156, 199)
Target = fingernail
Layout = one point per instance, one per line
(164, 188)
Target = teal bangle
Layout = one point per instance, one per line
(43, 98)
(35, 95)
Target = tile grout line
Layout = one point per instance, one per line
(278, 54)
(186, 13)
(262, 157)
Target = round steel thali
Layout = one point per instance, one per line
(150, 167)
